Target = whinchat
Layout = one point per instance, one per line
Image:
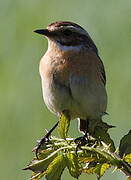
(72, 74)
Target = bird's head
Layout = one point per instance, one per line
(67, 34)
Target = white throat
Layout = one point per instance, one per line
(63, 47)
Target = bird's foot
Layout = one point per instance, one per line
(44, 140)
(81, 141)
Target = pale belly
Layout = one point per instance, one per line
(56, 97)
(79, 99)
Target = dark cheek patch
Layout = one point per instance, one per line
(69, 41)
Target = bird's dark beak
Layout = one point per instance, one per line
(44, 32)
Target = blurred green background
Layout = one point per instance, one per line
(23, 115)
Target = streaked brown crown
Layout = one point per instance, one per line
(58, 24)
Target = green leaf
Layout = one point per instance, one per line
(102, 134)
(56, 168)
(129, 178)
(125, 145)
(127, 158)
(103, 168)
(41, 165)
(73, 165)
(98, 169)
(87, 159)
(63, 127)
(45, 153)
(90, 170)
(37, 176)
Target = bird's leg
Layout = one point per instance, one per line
(81, 141)
(45, 139)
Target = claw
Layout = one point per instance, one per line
(41, 142)
(44, 140)
(81, 141)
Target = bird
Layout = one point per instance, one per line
(72, 74)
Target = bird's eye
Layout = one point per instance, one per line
(67, 32)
